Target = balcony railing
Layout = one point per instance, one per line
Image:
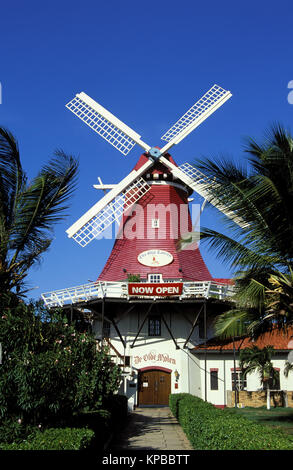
(119, 290)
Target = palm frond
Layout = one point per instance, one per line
(12, 181)
(261, 194)
(28, 212)
(43, 203)
(232, 323)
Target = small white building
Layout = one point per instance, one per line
(218, 361)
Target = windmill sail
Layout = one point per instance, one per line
(96, 220)
(201, 110)
(197, 181)
(104, 123)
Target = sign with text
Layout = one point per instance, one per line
(155, 290)
(155, 258)
(154, 356)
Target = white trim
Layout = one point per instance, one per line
(160, 277)
(108, 289)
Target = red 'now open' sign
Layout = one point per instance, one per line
(166, 289)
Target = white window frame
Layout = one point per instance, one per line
(155, 278)
(241, 382)
(155, 223)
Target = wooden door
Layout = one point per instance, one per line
(154, 387)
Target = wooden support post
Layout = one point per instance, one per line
(119, 334)
(170, 332)
(205, 352)
(103, 315)
(141, 326)
(193, 326)
(111, 320)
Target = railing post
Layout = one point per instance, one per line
(208, 289)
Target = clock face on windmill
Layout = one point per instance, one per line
(154, 258)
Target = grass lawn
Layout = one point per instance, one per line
(281, 418)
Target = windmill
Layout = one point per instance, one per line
(134, 186)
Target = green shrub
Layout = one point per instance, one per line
(118, 407)
(174, 401)
(55, 439)
(210, 428)
(14, 430)
(50, 369)
(99, 421)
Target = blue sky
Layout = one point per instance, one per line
(147, 62)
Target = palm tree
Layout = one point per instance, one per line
(259, 360)
(288, 368)
(261, 250)
(28, 210)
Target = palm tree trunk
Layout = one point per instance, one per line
(268, 398)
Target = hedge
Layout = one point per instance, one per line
(210, 428)
(101, 423)
(55, 439)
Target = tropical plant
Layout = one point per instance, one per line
(29, 209)
(259, 360)
(260, 250)
(133, 277)
(50, 369)
(288, 368)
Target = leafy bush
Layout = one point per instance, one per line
(174, 402)
(117, 405)
(210, 428)
(55, 439)
(99, 421)
(14, 430)
(50, 369)
(133, 278)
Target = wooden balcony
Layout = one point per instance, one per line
(119, 290)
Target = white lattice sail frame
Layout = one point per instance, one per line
(112, 212)
(105, 124)
(215, 97)
(198, 182)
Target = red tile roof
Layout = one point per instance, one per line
(225, 281)
(277, 338)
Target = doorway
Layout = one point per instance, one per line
(154, 387)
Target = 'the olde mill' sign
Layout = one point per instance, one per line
(154, 356)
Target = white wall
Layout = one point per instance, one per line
(225, 363)
(161, 352)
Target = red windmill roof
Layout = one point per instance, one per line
(158, 167)
(123, 260)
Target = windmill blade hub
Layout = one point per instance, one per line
(154, 153)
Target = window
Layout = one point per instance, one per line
(127, 361)
(155, 223)
(155, 325)
(201, 329)
(274, 382)
(157, 278)
(238, 381)
(214, 379)
(106, 333)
